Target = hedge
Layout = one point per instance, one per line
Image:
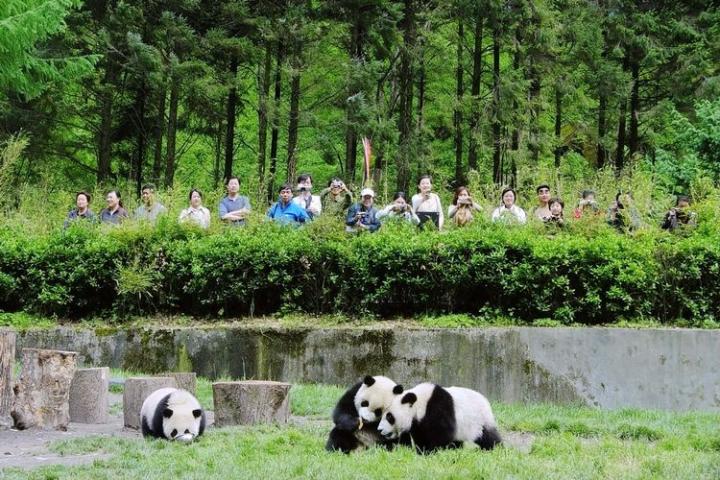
(524, 273)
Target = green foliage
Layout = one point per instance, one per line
(586, 274)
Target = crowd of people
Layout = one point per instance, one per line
(296, 205)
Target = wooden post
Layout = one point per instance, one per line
(136, 390)
(251, 402)
(7, 357)
(89, 395)
(42, 395)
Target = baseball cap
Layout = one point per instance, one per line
(367, 191)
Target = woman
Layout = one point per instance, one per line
(427, 204)
(81, 210)
(196, 213)
(114, 213)
(399, 209)
(557, 208)
(508, 212)
(461, 210)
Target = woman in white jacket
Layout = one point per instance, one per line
(508, 212)
(427, 204)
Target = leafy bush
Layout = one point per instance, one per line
(587, 275)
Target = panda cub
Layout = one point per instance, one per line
(173, 414)
(358, 412)
(431, 417)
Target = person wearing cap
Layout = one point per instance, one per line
(336, 198)
(363, 216)
(286, 211)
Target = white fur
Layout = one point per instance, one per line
(182, 403)
(379, 396)
(405, 413)
(472, 413)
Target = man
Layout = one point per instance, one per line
(305, 199)
(150, 209)
(285, 210)
(363, 216)
(336, 199)
(234, 208)
(542, 212)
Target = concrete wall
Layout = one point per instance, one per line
(605, 367)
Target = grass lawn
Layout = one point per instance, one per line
(564, 442)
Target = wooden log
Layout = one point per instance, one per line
(7, 358)
(136, 390)
(251, 402)
(41, 396)
(185, 380)
(89, 395)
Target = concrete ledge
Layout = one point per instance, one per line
(606, 367)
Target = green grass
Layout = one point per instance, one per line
(566, 443)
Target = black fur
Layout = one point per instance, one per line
(490, 438)
(437, 428)
(368, 380)
(398, 389)
(347, 420)
(155, 428)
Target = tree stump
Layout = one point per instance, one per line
(137, 389)
(7, 357)
(41, 396)
(251, 402)
(89, 395)
(185, 380)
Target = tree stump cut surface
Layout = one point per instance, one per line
(7, 358)
(42, 395)
(251, 402)
(89, 395)
(137, 389)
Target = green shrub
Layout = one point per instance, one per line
(585, 275)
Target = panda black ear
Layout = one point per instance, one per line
(410, 398)
(398, 389)
(368, 380)
(167, 413)
(197, 412)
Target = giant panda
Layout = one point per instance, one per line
(358, 412)
(173, 414)
(430, 417)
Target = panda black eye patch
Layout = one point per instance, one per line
(173, 434)
(364, 403)
(390, 418)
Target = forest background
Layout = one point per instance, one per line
(184, 93)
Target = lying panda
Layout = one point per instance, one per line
(173, 414)
(358, 412)
(430, 417)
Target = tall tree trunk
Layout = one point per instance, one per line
(218, 152)
(159, 134)
(458, 114)
(264, 90)
(421, 86)
(356, 54)
(172, 130)
(535, 86)
(633, 140)
(518, 62)
(136, 168)
(275, 133)
(230, 118)
(558, 123)
(475, 91)
(106, 103)
(294, 119)
(602, 127)
(620, 149)
(496, 126)
(405, 79)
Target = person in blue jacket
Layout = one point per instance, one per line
(285, 211)
(363, 216)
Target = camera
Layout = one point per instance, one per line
(304, 189)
